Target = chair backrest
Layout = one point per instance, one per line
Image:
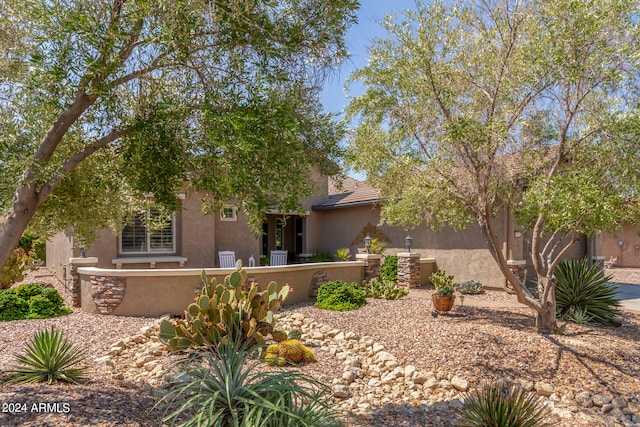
(227, 259)
(278, 258)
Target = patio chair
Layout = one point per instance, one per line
(278, 258)
(227, 259)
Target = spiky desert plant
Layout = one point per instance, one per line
(498, 406)
(225, 387)
(49, 357)
(584, 294)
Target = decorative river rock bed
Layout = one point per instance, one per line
(370, 380)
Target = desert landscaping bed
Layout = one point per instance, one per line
(467, 346)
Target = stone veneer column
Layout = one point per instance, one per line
(107, 292)
(409, 270)
(598, 260)
(517, 267)
(73, 278)
(372, 265)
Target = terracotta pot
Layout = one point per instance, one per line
(442, 303)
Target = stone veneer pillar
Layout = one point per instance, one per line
(73, 278)
(107, 292)
(409, 270)
(599, 261)
(372, 265)
(517, 267)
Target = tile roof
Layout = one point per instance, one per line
(347, 193)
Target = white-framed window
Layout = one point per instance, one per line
(229, 213)
(137, 238)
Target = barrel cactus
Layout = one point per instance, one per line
(289, 351)
(223, 305)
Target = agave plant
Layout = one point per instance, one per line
(498, 406)
(584, 294)
(49, 357)
(224, 387)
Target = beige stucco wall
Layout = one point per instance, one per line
(59, 250)
(623, 244)
(464, 254)
(235, 236)
(157, 292)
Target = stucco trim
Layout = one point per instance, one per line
(174, 272)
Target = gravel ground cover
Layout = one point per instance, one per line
(473, 341)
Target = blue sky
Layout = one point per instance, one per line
(358, 42)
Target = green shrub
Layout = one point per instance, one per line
(340, 296)
(584, 294)
(497, 406)
(389, 269)
(12, 307)
(49, 357)
(31, 301)
(34, 246)
(28, 290)
(226, 387)
(385, 289)
(470, 287)
(321, 257)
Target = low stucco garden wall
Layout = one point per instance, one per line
(154, 292)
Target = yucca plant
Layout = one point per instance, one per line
(49, 357)
(496, 406)
(584, 294)
(224, 386)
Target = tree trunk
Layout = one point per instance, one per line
(25, 203)
(546, 314)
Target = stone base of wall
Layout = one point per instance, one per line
(107, 292)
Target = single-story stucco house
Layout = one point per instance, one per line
(338, 216)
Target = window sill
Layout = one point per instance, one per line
(152, 260)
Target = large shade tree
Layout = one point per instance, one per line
(475, 108)
(106, 101)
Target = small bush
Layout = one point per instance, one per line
(12, 307)
(497, 406)
(584, 294)
(49, 357)
(389, 269)
(340, 296)
(31, 301)
(384, 289)
(470, 287)
(321, 257)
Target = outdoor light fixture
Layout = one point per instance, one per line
(83, 253)
(407, 241)
(367, 243)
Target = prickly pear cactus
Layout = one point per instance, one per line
(13, 271)
(222, 304)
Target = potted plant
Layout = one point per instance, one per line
(443, 298)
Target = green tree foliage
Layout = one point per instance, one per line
(476, 109)
(104, 101)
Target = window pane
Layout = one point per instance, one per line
(162, 240)
(134, 236)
